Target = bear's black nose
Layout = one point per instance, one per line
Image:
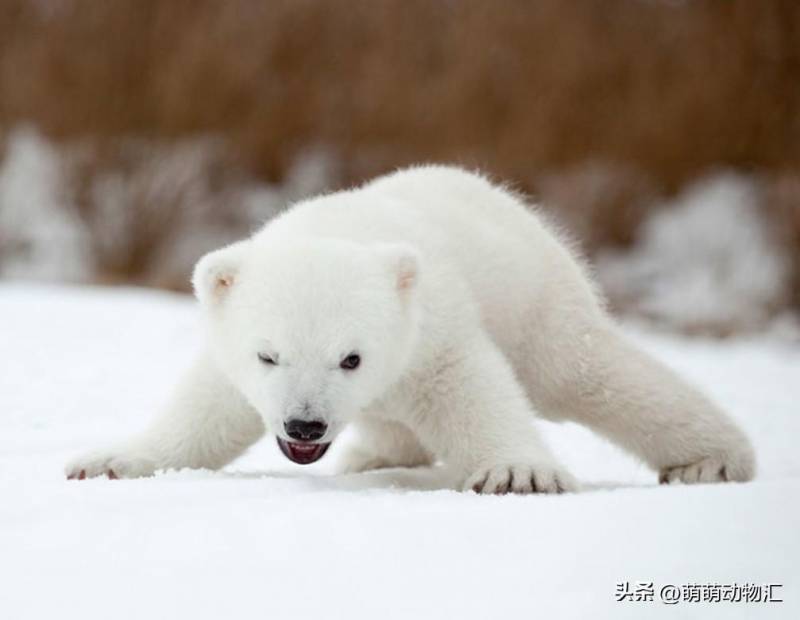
(305, 430)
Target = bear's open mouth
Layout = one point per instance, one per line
(302, 452)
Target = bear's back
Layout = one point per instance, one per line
(472, 235)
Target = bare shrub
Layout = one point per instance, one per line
(139, 199)
(782, 211)
(132, 210)
(600, 203)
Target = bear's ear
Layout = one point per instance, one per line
(216, 272)
(403, 262)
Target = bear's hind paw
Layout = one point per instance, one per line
(711, 469)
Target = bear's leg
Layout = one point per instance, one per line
(471, 411)
(638, 403)
(381, 444)
(207, 425)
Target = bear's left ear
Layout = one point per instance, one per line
(403, 262)
(216, 272)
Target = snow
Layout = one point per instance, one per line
(706, 261)
(41, 236)
(269, 539)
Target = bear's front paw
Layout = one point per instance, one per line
(111, 464)
(711, 469)
(521, 478)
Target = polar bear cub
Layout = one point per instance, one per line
(437, 313)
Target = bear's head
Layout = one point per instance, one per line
(310, 330)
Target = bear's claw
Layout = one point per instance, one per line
(111, 465)
(521, 478)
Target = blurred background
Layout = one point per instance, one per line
(663, 135)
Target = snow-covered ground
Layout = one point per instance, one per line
(269, 539)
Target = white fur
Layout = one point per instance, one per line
(471, 317)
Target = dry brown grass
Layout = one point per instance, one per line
(652, 93)
(515, 87)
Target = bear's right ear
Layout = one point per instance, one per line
(216, 272)
(403, 261)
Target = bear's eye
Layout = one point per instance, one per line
(351, 362)
(266, 359)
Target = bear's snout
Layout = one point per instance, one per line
(305, 430)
